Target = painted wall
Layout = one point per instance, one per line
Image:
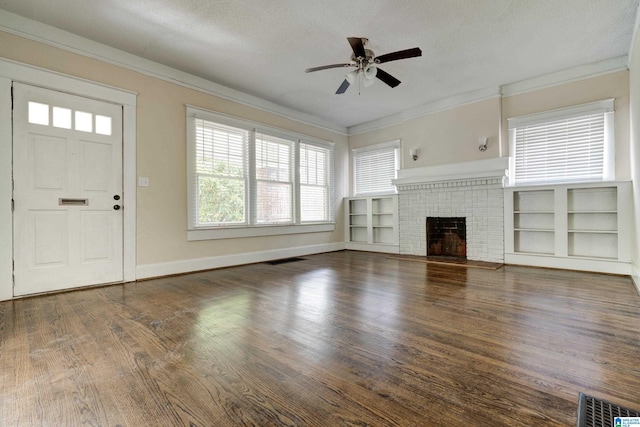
(613, 85)
(635, 151)
(443, 137)
(452, 135)
(161, 155)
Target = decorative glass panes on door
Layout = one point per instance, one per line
(65, 118)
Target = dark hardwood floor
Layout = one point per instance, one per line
(339, 339)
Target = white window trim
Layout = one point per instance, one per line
(251, 230)
(603, 106)
(354, 152)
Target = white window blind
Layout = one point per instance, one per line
(247, 179)
(573, 146)
(375, 167)
(221, 173)
(274, 179)
(315, 183)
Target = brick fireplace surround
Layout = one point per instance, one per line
(473, 190)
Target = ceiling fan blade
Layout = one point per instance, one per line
(326, 67)
(387, 78)
(357, 46)
(343, 87)
(401, 54)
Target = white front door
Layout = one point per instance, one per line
(67, 173)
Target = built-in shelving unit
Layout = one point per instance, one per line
(533, 220)
(372, 223)
(579, 226)
(593, 222)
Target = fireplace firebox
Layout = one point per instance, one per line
(446, 237)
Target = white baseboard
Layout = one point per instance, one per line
(147, 271)
(569, 263)
(635, 276)
(372, 247)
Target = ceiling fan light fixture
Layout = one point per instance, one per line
(366, 82)
(370, 72)
(351, 76)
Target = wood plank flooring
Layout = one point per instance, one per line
(339, 339)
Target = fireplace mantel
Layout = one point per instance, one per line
(477, 169)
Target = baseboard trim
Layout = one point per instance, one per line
(148, 271)
(570, 263)
(635, 276)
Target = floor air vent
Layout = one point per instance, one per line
(594, 412)
(284, 260)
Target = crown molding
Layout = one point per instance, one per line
(548, 80)
(569, 75)
(46, 34)
(633, 36)
(52, 36)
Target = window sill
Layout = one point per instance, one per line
(256, 231)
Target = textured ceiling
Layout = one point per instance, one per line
(262, 47)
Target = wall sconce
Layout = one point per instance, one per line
(482, 144)
(413, 152)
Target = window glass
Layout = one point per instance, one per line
(221, 174)
(38, 113)
(314, 183)
(569, 145)
(84, 121)
(62, 117)
(274, 181)
(103, 125)
(241, 177)
(375, 167)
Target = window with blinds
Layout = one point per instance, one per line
(274, 180)
(315, 183)
(568, 145)
(244, 176)
(221, 173)
(375, 167)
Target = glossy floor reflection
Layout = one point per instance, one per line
(344, 338)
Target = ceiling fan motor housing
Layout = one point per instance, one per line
(363, 62)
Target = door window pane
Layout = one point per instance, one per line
(38, 113)
(62, 117)
(84, 121)
(103, 125)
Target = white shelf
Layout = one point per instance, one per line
(372, 223)
(594, 231)
(575, 223)
(592, 212)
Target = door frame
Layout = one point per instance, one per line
(12, 71)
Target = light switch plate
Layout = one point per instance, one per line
(143, 181)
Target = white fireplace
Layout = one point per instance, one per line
(472, 190)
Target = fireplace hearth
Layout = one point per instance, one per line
(447, 237)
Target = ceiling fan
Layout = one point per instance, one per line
(366, 63)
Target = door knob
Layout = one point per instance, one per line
(116, 207)
(116, 197)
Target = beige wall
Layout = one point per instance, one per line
(443, 137)
(452, 135)
(614, 85)
(635, 150)
(161, 154)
